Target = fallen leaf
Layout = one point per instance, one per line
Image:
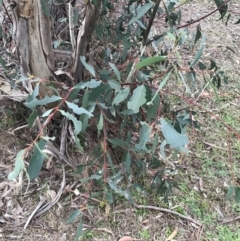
(76, 192)
(52, 194)
(107, 210)
(126, 238)
(146, 221)
(201, 185)
(173, 234)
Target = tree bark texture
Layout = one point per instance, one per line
(83, 39)
(34, 40)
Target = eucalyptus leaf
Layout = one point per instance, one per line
(150, 61)
(78, 110)
(237, 194)
(160, 87)
(141, 11)
(117, 142)
(77, 124)
(230, 191)
(173, 138)
(121, 96)
(128, 163)
(114, 85)
(114, 68)
(37, 159)
(96, 93)
(144, 137)
(138, 99)
(32, 118)
(92, 177)
(47, 113)
(87, 66)
(45, 7)
(19, 165)
(152, 110)
(32, 104)
(73, 216)
(79, 231)
(199, 53)
(89, 84)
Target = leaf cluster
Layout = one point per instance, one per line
(128, 100)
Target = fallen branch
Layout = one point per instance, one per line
(224, 221)
(214, 146)
(169, 211)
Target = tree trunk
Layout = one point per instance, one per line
(34, 41)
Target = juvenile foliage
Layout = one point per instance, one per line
(126, 97)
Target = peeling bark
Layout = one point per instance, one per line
(34, 42)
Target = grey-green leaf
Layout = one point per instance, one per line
(117, 142)
(32, 117)
(87, 66)
(144, 137)
(116, 71)
(36, 160)
(45, 7)
(78, 110)
(164, 81)
(152, 110)
(77, 124)
(114, 85)
(121, 96)
(138, 99)
(32, 104)
(73, 216)
(93, 96)
(79, 231)
(173, 138)
(128, 163)
(237, 194)
(150, 61)
(230, 191)
(19, 165)
(47, 113)
(199, 53)
(90, 84)
(141, 11)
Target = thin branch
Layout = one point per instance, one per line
(144, 41)
(169, 211)
(214, 146)
(225, 221)
(71, 25)
(63, 135)
(150, 23)
(188, 24)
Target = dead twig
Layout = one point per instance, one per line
(214, 146)
(169, 211)
(229, 220)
